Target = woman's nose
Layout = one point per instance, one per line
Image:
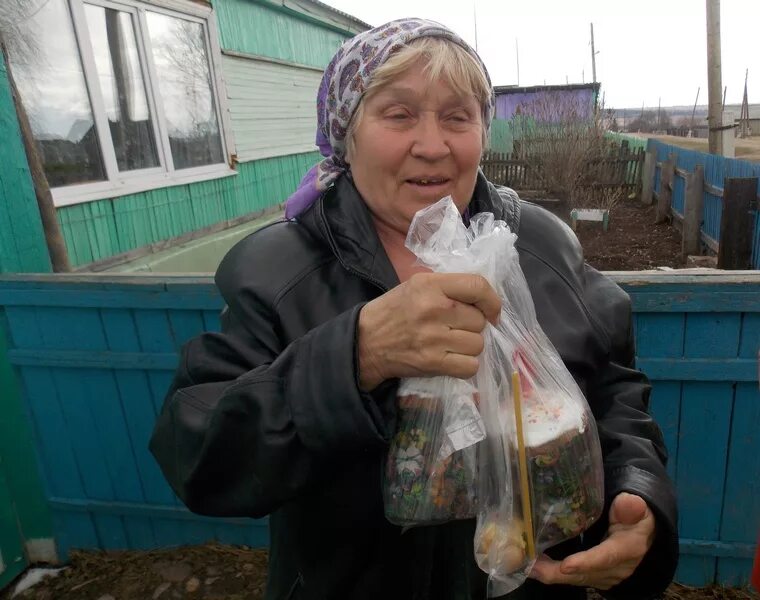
(430, 139)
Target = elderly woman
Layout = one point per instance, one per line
(288, 412)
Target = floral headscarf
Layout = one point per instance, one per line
(343, 84)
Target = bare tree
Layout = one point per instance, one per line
(185, 52)
(17, 37)
(560, 136)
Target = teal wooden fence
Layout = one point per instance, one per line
(717, 169)
(94, 356)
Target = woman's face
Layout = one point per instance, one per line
(417, 143)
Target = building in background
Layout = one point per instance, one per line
(157, 119)
(548, 103)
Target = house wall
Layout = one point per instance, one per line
(546, 105)
(271, 67)
(22, 240)
(272, 107)
(98, 230)
(24, 514)
(261, 28)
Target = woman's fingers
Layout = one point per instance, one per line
(466, 317)
(464, 342)
(459, 365)
(470, 289)
(429, 325)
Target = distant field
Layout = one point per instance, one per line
(746, 149)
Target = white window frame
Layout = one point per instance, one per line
(140, 180)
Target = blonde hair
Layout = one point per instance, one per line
(443, 59)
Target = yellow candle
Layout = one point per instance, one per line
(524, 483)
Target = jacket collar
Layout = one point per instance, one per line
(342, 219)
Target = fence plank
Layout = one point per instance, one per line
(740, 522)
(735, 251)
(693, 212)
(667, 174)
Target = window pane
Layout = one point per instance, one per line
(121, 82)
(48, 72)
(184, 79)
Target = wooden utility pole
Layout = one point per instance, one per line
(59, 257)
(475, 22)
(593, 55)
(694, 111)
(714, 84)
(659, 113)
(517, 57)
(744, 116)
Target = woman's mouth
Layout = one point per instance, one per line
(429, 183)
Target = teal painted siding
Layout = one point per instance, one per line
(22, 241)
(98, 230)
(501, 136)
(250, 27)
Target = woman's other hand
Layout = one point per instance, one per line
(430, 325)
(629, 537)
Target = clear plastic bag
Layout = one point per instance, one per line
(538, 476)
(431, 466)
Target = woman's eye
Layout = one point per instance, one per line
(459, 117)
(398, 116)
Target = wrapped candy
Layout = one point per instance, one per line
(532, 471)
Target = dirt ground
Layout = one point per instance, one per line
(211, 572)
(632, 242)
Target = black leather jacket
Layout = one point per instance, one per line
(266, 418)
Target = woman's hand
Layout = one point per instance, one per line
(430, 325)
(629, 537)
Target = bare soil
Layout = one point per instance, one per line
(213, 572)
(632, 242)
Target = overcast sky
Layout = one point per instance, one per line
(647, 49)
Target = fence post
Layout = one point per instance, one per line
(667, 172)
(647, 176)
(735, 249)
(692, 217)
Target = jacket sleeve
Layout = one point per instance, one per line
(249, 424)
(632, 443)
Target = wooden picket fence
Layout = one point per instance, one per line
(503, 169)
(619, 168)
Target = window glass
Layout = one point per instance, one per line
(120, 78)
(48, 72)
(186, 89)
